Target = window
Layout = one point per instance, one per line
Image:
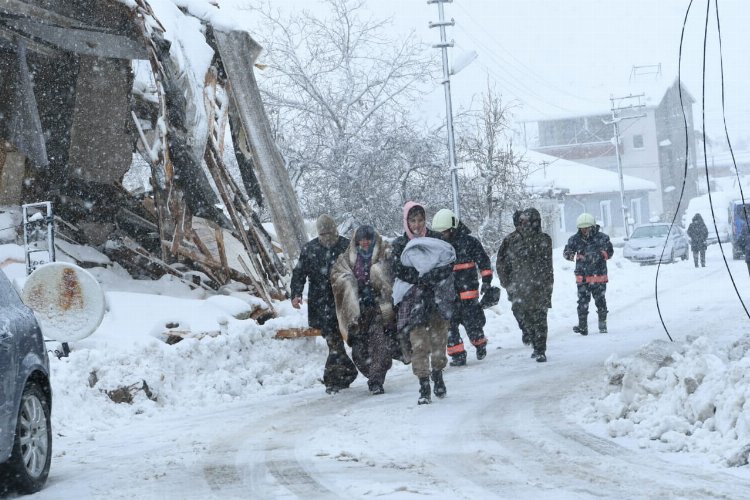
(605, 211)
(635, 210)
(638, 141)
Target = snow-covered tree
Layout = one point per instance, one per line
(339, 90)
(493, 179)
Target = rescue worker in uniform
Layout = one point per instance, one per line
(471, 261)
(590, 249)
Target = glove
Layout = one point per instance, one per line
(435, 276)
(485, 287)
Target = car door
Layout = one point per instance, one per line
(8, 367)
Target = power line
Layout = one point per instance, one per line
(529, 70)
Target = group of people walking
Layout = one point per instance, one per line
(406, 300)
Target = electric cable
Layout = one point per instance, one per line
(726, 132)
(684, 177)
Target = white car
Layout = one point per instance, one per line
(649, 244)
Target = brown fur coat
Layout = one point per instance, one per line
(345, 289)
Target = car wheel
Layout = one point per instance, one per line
(27, 468)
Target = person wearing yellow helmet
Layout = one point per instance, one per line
(471, 262)
(590, 249)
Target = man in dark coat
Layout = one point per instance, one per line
(314, 264)
(471, 261)
(526, 273)
(590, 249)
(698, 233)
(502, 256)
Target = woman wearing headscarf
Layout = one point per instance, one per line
(362, 288)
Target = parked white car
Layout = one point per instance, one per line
(649, 244)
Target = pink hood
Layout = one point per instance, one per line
(408, 206)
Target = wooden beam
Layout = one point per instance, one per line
(19, 7)
(31, 44)
(238, 52)
(81, 41)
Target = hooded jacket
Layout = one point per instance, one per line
(405, 273)
(698, 233)
(590, 255)
(346, 288)
(525, 267)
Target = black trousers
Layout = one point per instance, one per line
(470, 314)
(534, 320)
(586, 291)
(339, 369)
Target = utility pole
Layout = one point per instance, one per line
(616, 119)
(443, 45)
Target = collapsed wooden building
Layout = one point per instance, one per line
(74, 114)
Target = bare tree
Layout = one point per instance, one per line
(339, 91)
(493, 179)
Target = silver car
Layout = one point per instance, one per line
(649, 244)
(25, 397)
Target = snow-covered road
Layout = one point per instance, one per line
(509, 428)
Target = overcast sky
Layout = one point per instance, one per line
(561, 56)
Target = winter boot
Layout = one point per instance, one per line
(603, 322)
(541, 358)
(481, 351)
(458, 359)
(583, 325)
(424, 391)
(437, 377)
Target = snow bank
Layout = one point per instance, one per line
(691, 396)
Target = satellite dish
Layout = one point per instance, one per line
(66, 299)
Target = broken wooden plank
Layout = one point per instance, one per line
(238, 52)
(296, 333)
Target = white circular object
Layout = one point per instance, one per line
(66, 299)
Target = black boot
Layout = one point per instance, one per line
(481, 351)
(437, 377)
(602, 322)
(458, 359)
(424, 391)
(583, 325)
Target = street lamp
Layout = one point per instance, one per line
(459, 65)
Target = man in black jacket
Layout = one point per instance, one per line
(525, 270)
(471, 261)
(590, 249)
(314, 264)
